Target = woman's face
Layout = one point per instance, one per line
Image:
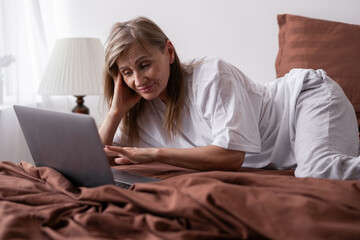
(147, 71)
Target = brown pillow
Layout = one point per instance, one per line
(332, 46)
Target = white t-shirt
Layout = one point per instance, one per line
(225, 108)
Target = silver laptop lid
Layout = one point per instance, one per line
(67, 142)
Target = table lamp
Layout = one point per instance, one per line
(75, 68)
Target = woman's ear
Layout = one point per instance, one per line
(170, 51)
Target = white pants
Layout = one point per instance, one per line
(326, 137)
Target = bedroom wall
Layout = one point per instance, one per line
(243, 32)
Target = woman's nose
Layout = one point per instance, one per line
(139, 79)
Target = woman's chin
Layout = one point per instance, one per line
(149, 97)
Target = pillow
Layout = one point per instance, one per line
(332, 46)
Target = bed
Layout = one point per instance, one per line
(39, 203)
(251, 204)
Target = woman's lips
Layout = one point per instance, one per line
(146, 89)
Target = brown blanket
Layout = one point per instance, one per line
(39, 203)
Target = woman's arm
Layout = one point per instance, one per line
(200, 158)
(123, 100)
(108, 127)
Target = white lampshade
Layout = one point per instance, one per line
(74, 68)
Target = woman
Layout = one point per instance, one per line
(208, 115)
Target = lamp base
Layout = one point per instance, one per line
(80, 107)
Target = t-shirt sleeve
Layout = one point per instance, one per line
(224, 102)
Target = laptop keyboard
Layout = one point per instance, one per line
(122, 185)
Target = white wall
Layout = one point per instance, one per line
(243, 32)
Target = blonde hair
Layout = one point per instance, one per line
(143, 32)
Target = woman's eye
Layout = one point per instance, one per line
(127, 73)
(143, 66)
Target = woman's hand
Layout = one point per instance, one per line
(130, 155)
(122, 101)
(124, 98)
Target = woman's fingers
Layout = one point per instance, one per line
(123, 161)
(118, 152)
(138, 155)
(111, 153)
(115, 150)
(118, 82)
(115, 153)
(124, 98)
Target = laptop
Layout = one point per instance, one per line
(70, 144)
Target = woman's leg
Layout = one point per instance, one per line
(326, 143)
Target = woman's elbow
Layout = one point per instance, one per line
(235, 162)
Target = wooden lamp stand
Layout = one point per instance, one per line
(80, 107)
